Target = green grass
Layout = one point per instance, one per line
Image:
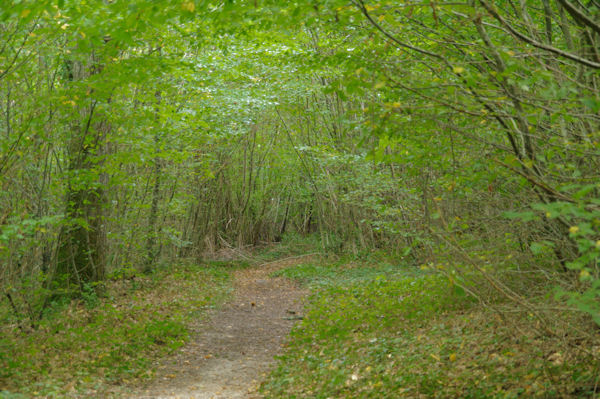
(80, 349)
(379, 331)
(341, 272)
(228, 264)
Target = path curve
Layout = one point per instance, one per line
(235, 348)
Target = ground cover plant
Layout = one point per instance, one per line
(375, 331)
(93, 345)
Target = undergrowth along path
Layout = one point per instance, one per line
(233, 351)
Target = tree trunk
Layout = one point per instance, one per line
(81, 254)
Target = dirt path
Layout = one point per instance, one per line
(234, 350)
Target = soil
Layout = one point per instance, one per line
(233, 351)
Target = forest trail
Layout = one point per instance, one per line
(233, 350)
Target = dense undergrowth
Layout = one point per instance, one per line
(94, 345)
(386, 331)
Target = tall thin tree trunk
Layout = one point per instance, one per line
(151, 250)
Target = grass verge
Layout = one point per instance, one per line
(392, 332)
(89, 347)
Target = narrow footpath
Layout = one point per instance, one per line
(231, 353)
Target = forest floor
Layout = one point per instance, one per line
(371, 328)
(374, 328)
(231, 353)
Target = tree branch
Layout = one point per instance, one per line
(535, 43)
(579, 15)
